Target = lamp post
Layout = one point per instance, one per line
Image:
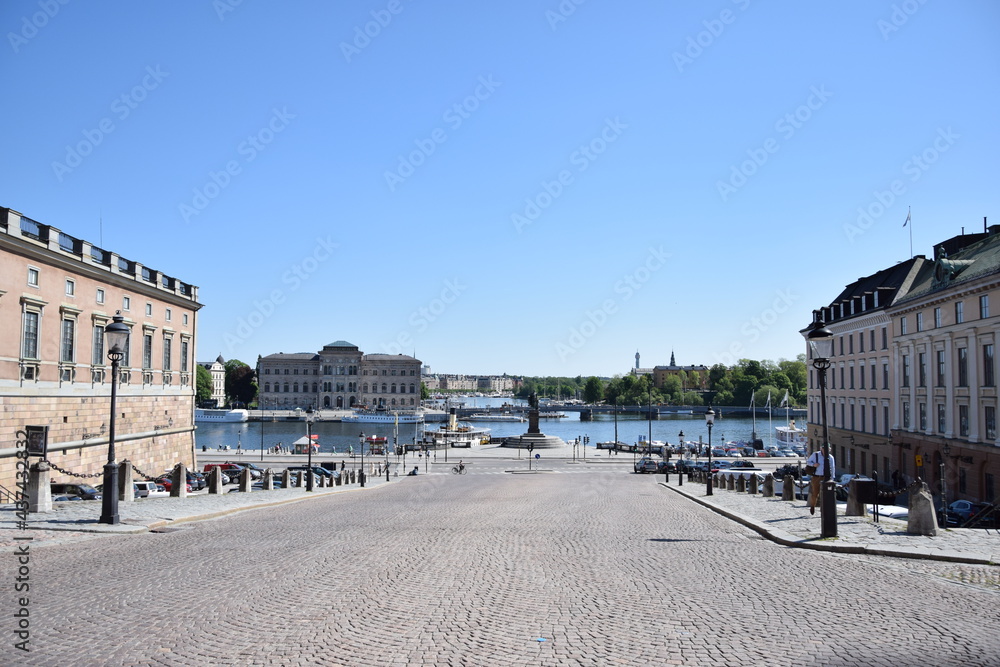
(680, 455)
(946, 450)
(709, 419)
(310, 418)
(116, 338)
(361, 443)
(821, 348)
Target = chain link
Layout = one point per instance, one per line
(145, 476)
(73, 474)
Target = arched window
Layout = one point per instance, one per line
(385, 388)
(394, 401)
(295, 388)
(393, 391)
(314, 387)
(413, 389)
(267, 386)
(364, 388)
(286, 387)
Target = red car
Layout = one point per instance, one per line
(167, 484)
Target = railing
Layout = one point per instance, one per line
(6, 495)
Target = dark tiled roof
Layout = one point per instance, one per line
(341, 343)
(976, 260)
(388, 357)
(294, 356)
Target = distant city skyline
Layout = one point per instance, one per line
(398, 175)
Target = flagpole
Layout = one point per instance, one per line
(907, 223)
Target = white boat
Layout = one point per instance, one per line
(221, 415)
(551, 415)
(385, 417)
(456, 434)
(500, 417)
(790, 437)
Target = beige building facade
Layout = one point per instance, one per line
(57, 293)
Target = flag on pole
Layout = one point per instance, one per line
(784, 401)
(907, 217)
(752, 397)
(768, 404)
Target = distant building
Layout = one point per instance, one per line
(217, 369)
(693, 378)
(339, 376)
(57, 293)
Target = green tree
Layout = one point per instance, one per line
(240, 382)
(593, 391)
(692, 398)
(203, 384)
(671, 389)
(425, 393)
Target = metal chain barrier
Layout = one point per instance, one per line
(145, 476)
(73, 474)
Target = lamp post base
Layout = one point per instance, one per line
(109, 495)
(828, 509)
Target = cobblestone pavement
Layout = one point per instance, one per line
(547, 569)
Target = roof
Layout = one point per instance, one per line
(294, 356)
(341, 343)
(389, 357)
(971, 262)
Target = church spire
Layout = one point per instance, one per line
(672, 362)
(637, 359)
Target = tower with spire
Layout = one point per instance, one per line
(637, 359)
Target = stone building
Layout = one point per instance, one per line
(339, 376)
(912, 385)
(217, 369)
(57, 293)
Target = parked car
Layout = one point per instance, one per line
(645, 465)
(61, 498)
(743, 465)
(167, 484)
(84, 491)
(255, 472)
(666, 467)
(143, 489)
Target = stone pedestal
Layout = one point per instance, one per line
(788, 489)
(753, 484)
(769, 486)
(39, 491)
(246, 481)
(268, 480)
(730, 482)
(215, 480)
(741, 484)
(178, 481)
(126, 490)
(922, 518)
(286, 479)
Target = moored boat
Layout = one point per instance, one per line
(220, 415)
(381, 416)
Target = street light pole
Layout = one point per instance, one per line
(116, 337)
(310, 417)
(680, 457)
(361, 442)
(709, 420)
(821, 348)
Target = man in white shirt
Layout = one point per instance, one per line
(816, 482)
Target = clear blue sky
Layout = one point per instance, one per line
(499, 187)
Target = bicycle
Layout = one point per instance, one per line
(458, 470)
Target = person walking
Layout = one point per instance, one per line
(818, 466)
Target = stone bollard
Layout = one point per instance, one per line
(215, 481)
(354, 476)
(321, 481)
(179, 481)
(730, 482)
(854, 505)
(286, 479)
(268, 480)
(39, 490)
(769, 486)
(788, 489)
(741, 484)
(246, 481)
(300, 478)
(338, 480)
(126, 489)
(922, 519)
(753, 483)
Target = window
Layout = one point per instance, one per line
(851, 376)
(920, 321)
(940, 418)
(959, 312)
(97, 356)
(902, 325)
(70, 288)
(149, 310)
(984, 306)
(906, 415)
(989, 491)
(922, 370)
(873, 374)
(906, 370)
(29, 335)
(184, 355)
(963, 420)
(861, 377)
(66, 339)
(166, 353)
(937, 318)
(100, 295)
(885, 338)
(885, 424)
(33, 277)
(850, 345)
(185, 319)
(963, 481)
(842, 385)
(167, 314)
(147, 351)
(885, 375)
(872, 344)
(940, 368)
(990, 417)
(126, 303)
(861, 341)
(874, 419)
(963, 367)
(861, 409)
(922, 410)
(989, 378)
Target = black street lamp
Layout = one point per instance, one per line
(116, 339)
(310, 418)
(361, 442)
(680, 457)
(709, 419)
(821, 349)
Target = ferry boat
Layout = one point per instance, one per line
(790, 437)
(551, 415)
(220, 415)
(381, 416)
(456, 434)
